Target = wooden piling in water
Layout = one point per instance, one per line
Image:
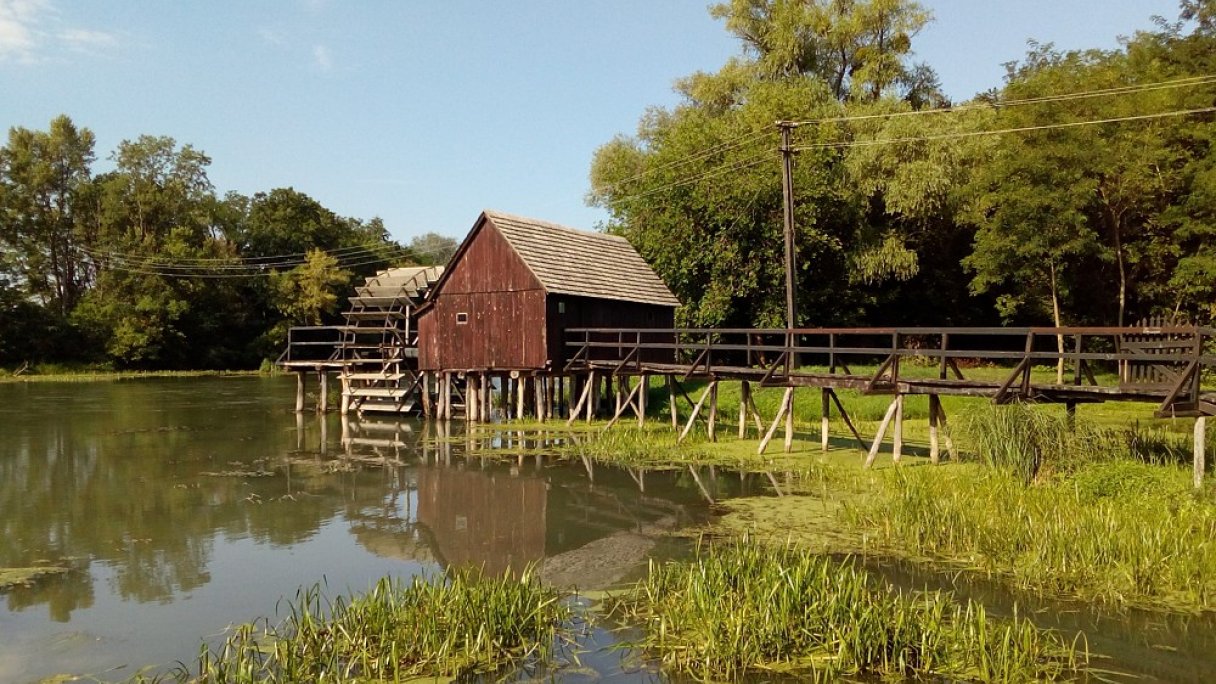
(897, 440)
(825, 401)
(299, 391)
(712, 423)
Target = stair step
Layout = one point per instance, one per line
(374, 314)
(388, 407)
(384, 377)
(379, 392)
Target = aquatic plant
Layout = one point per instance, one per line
(1119, 532)
(743, 607)
(1026, 441)
(456, 624)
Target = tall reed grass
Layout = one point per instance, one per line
(1029, 442)
(1119, 532)
(460, 624)
(742, 608)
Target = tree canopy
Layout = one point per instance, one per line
(1078, 191)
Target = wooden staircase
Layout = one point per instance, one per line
(379, 342)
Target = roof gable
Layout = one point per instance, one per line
(575, 262)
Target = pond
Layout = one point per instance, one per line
(181, 506)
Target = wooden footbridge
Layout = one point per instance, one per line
(532, 318)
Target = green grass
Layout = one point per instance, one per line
(743, 608)
(54, 373)
(458, 625)
(1117, 531)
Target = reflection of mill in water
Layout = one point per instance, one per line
(454, 505)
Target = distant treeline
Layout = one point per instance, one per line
(1081, 191)
(145, 266)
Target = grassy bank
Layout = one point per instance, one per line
(85, 374)
(461, 624)
(744, 608)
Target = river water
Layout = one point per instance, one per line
(183, 506)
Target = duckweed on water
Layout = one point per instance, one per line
(459, 624)
(745, 607)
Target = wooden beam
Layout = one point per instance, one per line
(671, 402)
(789, 424)
(1200, 443)
(785, 406)
(711, 428)
(882, 431)
(934, 407)
(826, 414)
(897, 439)
(696, 410)
(621, 406)
(574, 412)
(644, 385)
(745, 391)
(594, 398)
(861, 443)
(427, 408)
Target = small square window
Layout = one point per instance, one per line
(462, 318)
(561, 307)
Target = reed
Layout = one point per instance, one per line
(459, 624)
(1118, 532)
(1028, 442)
(742, 608)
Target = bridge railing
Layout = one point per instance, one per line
(1177, 356)
(313, 343)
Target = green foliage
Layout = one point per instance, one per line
(741, 608)
(1029, 443)
(308, 293)
(457, 624)
(1116, 531)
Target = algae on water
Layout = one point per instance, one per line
(23, 577)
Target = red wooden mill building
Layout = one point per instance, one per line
(511, 291)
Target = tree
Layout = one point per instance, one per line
(697, 191)
(433, 248)
(45, 214)
(308, 293)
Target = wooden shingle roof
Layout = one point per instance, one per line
(581, 263)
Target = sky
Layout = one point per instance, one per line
(425, 112)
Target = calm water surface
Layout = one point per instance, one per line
(183, 506)
(186, 505)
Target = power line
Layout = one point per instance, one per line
(719, 148)
(156, 271)
(1045, 99)
(271, 260)
(1002, 131)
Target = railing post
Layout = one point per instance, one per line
(832, 353)
(945, 343)
(1076, 373)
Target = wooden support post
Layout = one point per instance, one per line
(344, 403)
(712, 426)
(882, 431)
(644, 385)
(299, 391)
(897, 439)
(825, 402)
(538, 392)
(1200, 443)
(582, 400)
(934, 408)
(593, 398)
(671, 402)
(745, 391)
(1070, 410)
(786, 402)
(621, 408)
(696, 410)
(472, 409)
(427, 408)
(789, 424)
(861, 443)
(751, 408)
(549, 382)
(323, 381)
(521, 387)
(561, 395)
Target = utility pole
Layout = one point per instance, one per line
(787, 190)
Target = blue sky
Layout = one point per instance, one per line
(424, 113)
